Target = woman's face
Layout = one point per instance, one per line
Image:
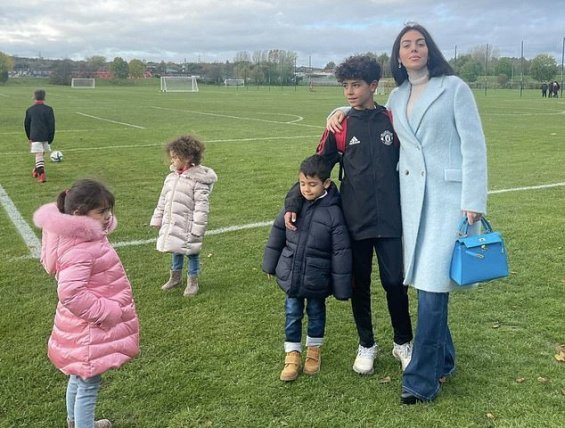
(413, 51)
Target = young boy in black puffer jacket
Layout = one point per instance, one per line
(310, 264)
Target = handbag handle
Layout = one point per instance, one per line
(464, 226)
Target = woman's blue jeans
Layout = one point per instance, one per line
(294, 309)
(193, 263)
(81, 400)
(433, 353)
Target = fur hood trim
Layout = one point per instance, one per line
(201, 174)
(49, 218)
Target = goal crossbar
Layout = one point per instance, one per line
(179, 84)
(83, 83)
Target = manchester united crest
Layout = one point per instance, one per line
(387, 138)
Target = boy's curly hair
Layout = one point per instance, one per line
(359, 67)
(186, 147)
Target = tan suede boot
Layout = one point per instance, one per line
(174, 280)
(292, 363)
(192, 287)
(313, 360)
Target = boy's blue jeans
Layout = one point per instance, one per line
(433, 353)
(193, 263)
(316, 310)
(81, 400)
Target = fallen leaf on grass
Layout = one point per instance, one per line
(520, 380)
(490, 416)
(560, 357)
(542, 379)
(385, 379)
(496, 324)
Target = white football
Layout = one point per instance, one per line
(56, 156)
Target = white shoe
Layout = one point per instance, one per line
(364, 361)
(403, 353)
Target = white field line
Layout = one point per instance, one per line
(58, 131)
(518, 189)
(255, 119)
(34, 245)
(111, 121)
(27, 234)
(160, 144)
(208, 233)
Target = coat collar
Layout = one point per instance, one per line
(434, 88)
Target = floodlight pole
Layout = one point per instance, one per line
(486, 69)
(521, 68)
(562, 55)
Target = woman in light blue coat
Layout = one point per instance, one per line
(443, 176)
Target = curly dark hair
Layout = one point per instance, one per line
(359, 67)
(186, 147)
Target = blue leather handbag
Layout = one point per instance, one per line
(478, 258)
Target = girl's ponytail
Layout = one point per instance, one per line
(61, 200)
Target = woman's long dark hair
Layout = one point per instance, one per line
(437, 64)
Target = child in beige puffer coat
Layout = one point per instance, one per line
(181, 214)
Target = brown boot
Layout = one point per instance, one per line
(174, 280)
(292, 363)
(313, 360)
(192, 287)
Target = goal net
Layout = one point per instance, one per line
(234, 82)
(83, 83)
(179, 84)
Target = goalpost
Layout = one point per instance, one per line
(83, 83)
(179, 84)
(234, 82)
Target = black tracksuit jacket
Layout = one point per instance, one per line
(39, 123)
(370, 190)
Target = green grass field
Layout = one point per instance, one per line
(214, 361)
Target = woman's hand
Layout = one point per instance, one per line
(472, 217)
(333, 124)
(289, 220)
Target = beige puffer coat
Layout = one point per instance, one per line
(182, 210)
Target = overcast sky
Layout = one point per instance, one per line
(318, 31)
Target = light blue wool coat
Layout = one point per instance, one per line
(443, 171)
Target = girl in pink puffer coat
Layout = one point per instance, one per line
(96, 326)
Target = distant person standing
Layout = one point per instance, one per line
(555, 88)
(544, 90)
(39, 124)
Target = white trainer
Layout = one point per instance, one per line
(403, 353)
(364, 361)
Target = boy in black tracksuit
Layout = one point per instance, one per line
(310, 264)
(367, 150)
(39, 125)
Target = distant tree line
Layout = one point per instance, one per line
(266, 67)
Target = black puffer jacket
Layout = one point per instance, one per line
(314, 260)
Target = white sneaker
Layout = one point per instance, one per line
(364, 361)
(403, 353)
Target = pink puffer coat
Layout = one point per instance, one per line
(96, 326)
